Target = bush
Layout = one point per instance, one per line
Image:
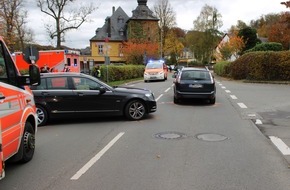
(268, 65)
(270, 46)
(222, 68)
(121, 72)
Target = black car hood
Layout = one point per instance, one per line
(131, 90)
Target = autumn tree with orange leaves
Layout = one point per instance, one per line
(280, 31)
(140, 52)
(232, 47)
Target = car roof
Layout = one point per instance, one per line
(62, 74)
(194, 69)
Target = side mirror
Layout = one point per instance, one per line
(34, 75)
(102, 90)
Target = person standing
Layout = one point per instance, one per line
(66, 68)
(97, 72)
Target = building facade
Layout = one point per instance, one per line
(108, 43)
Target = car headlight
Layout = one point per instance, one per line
(150, 96)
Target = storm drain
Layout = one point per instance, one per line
(170, 135)
(211, 137)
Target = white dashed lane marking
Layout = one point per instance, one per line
(284, 149)
(242, 105)
(233, 97)
(90, 163)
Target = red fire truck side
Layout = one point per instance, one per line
(55, 59)
(18, 118)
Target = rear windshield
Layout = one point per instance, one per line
(195, 75)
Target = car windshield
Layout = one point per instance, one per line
(195, 75)
(154, 65)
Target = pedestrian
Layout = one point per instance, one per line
(97, 72)
(66, 68)
(44, 69)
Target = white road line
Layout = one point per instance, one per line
(284, 149)
(233, 97)
(220, 84)
(223, 87)
(159, 97)
(228, 91)
(242, 105)
(258, 122)
(90, 163)
(167, 89)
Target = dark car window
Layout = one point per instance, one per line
(57, 83)
(85, 84)
(195, 75)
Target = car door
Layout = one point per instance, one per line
(90, 100)
(57, 96)
(1, 155)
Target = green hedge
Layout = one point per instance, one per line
(269, 46)
(267, 65)
(222, 68)
(121, 72)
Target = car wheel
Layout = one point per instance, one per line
(27, 143)
(42, 115)
(135, 110)
(176, 100)
(212, 101)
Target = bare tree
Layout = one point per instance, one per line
(167, 19)
(64, 18)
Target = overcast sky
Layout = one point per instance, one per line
(186, 11)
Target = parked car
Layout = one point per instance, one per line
(78, 94)
(192, 83)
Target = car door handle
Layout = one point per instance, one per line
(44, 93)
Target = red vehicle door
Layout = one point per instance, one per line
(1, 155)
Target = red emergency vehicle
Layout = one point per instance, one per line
(18, 118)
(54, 59)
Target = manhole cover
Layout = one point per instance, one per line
(170, 135)
(211, 137)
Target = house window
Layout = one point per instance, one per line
(68, 61)
(120, 19)
(75, 62)
(121, 54)
(100, 49)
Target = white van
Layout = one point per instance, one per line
(155, 70)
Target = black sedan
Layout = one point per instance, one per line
(192, 83)
(77, 94)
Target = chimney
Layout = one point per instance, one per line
(113, 10)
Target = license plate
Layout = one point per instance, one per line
(195, 86)
(153, 77)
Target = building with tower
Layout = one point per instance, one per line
(108, 42)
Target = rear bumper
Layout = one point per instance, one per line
(188, 95)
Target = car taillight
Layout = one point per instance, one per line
(178, 78)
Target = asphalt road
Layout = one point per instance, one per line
(191, 146)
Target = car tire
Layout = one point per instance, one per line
(176, 100)
(27, 143)
(135, 110)
(42, 115)
(212, 101)
(27, 146)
